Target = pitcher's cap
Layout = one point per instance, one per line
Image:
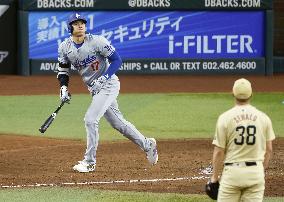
(242, 89)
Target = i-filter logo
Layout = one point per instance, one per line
(3, 55)
(216, 44)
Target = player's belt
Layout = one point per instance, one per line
(246, 163)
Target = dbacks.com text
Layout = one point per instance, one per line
(232, 3)
(65, 3)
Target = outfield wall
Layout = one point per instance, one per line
(163, 37)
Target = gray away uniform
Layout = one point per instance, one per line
(91, 62)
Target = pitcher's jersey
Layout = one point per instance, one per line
(90, 59)
(243, 131)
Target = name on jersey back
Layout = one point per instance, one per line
(245, 117)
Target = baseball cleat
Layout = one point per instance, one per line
(84, 167)
(152, 153)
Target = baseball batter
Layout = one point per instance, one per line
(97, 61)
(243, 142)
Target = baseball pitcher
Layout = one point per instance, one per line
(243, 142)
(97, 62)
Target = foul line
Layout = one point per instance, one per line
(108, 182)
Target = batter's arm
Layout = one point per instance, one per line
(63, 74)
(115, 63)
(104, 47)
(217, 162)
(64, 65)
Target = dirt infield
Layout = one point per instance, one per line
(37, 161)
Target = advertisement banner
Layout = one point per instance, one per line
(145, 4)
(158, 34)
(170, 66)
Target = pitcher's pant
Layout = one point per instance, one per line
(105, 103)
(242, 184)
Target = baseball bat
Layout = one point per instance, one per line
(50, 119)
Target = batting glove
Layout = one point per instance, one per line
(97, 85)
(65, 96)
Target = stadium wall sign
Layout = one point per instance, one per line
(178, 32)
(145, 4)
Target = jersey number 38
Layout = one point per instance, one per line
(248, 132)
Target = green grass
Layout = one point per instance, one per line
(164, 116)
(88, 194)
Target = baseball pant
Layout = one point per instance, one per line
(105, 104)
(242, 183)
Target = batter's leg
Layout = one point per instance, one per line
(96, 110)
(117, 121)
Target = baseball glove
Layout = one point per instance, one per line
(211, 189)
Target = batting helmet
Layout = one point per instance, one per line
(74, 17)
